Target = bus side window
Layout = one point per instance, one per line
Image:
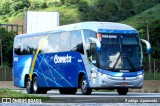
(79, 48)
(64, 41)
(76, 42)
(53, 42)
(17, 46)
(17, 50)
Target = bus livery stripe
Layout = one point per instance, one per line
(35, 56)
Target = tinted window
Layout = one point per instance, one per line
(29, 45)
(42, 43)
(76, 42)
(64, 41)
(76, 39)
(53, 42)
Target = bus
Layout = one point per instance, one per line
(85, 55)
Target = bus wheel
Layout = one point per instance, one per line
(83, 85)
(28, 85)
(36, 88)
(67, 90)
(122, 91)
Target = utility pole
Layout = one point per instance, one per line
(149, 55)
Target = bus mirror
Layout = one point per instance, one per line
(148, 46)
(97, 42)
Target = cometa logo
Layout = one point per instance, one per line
(62, 59)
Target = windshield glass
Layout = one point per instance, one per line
(120, 52)
(110, 50)
(131, 50)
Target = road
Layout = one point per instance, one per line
(101, 97)
(95, 99)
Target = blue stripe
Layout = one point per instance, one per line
(109, 31)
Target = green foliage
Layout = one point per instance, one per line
(82, 6)
(37, 5)
(5, 8)
(7, 45)
(13, 6)
(143, 5)
(20, 4)
(102, 10)
(126, 9)
(69, 2)
(154, 29)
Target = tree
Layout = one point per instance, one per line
(101, 11)
(20, 4)
(5, 8)
(107, 11)
(126, 9)
(7, 39)
(154, 35)
(83, 6)
(154, 29)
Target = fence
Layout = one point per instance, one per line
(13, 28)
(6, 74)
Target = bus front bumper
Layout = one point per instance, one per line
(105, 81)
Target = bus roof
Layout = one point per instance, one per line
(99, 27)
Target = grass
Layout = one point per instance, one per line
(5, 92)
(8, 93)
(151, 76)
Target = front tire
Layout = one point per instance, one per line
(28, 85)
(83, 84)
(122, 91)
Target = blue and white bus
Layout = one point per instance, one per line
(86, 55)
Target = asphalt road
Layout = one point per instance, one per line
(95, 99)
(101, 97)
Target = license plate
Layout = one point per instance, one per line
(124, 84)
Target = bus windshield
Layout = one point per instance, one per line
(120, 52)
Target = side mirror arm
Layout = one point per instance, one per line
(148, 46)
(98, 43)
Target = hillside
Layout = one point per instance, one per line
(71, 11)
(139, 20)
(66, 15)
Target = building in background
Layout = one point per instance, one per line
(40, 21)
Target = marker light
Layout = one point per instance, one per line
(99, 36)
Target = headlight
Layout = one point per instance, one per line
(140, 76)
(105, 76)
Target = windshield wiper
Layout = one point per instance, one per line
(129, 61)
(116, 61)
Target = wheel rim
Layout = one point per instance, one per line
(28, 85)
(84, 85)
(35, 85)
